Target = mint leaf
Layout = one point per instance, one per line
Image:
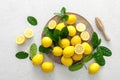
(64, 32)
(21, 55)
(33, 50)
(63, 11)
(76, 66)
(88, 58)
(48, 33)
(64, 18)
(56, 35)
(45, 50)
(32, 20)
(99, 41)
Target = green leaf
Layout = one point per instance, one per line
(88, 58)
(21, 55)
(76, 66)
(99, 41)
(64, 18)
(64, 32)
(33, 50)
(48, 33)
(32, 20)
(45, 50)
(63, 11)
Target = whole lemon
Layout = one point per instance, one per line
(64, 42)
(57, 51)
(46, 42)
(60, 26)
(47, 67)
(66, 61)
(68, 51)
(77, 57)
(76, 40)
(93, 68)
(72, 30)
(37, 59)
(87, 48)
(71, 19)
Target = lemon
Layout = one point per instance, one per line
(79, 49)
(64, 42)
(47, 67)
(60, 26)
(37, 59)
(28, 33)
(20, 39)
(57, 51)
(71, 19)
(46, 42)
(93, 68)
(66, 61)
(87, 48)
(76, 40)
(80, 27)
(52, 24)
(72, 30)
(77, 57)
(85, 35)
(68, 51)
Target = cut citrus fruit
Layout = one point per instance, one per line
(85, 35)
(52, 24)
(28, 33)
(79, 49)
(80, 27)
(20, 39)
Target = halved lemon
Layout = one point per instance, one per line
(20, 39)
(85, 35)
(80, 27)
(79, 49)
(28, 33)
(52, 24)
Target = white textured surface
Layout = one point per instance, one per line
(13, 22)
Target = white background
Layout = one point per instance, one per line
(13, 14)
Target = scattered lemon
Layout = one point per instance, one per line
(72, 30)
(93, 68)
(66, 61)
(20, 39)
(57, 51)
(80, 27)
(71, 19)
(64, 42)
(60, 26)
(46, 42)
(68, 51)
(85, 35)
(37, 59)
(79, 49)
(52, 24)
(47, 67)
(28, 33)
(87, 48)
(76, 40)
(77, 57)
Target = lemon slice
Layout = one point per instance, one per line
(80, 27)
(52, 24)
(79, 49)
(20, 39)
(85, 35)
(28, 33)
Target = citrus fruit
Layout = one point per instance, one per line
(71, 19)
(37, 59)
(85, 35)
(79, 49)
(93, 68)
(77, 57)
(66, 61)
(64, 42)
(52, 24)
(57, 51)
(47, 67)
(20, 39)
(68, 51)
(80, 27)
(28, 33)
(60, 26)
(72, 30)
(46, 42)
(87, 48)
(76, 40)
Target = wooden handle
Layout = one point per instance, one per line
(106, 36)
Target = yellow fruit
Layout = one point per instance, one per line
(79, 49)
(72, 30)
(57, 51)
(60, 26)
(93, 68)
(85, 35)
(71, 19)
(77, 57)
(37, 59)
(76, 40)
(80, 27)
(87, 48)
(28, 33)
(66, 61)
(52, 24)
(64, 42)
(46, 42)
(68, 51)
(20, 39)
(47, 67)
